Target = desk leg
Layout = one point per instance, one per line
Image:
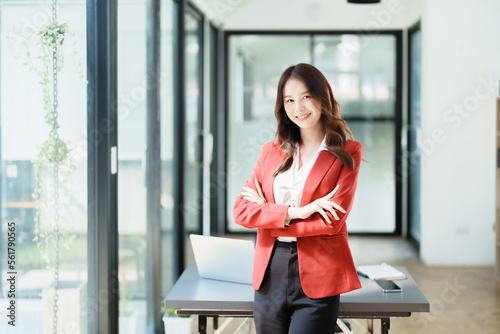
(216, 323)
(202, 324)
(386, 325)
(370, 325)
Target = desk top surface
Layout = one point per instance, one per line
(193, 292)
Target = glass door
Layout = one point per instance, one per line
(364, 77)
(132, 144)
(255, 63)
(193, 149)
(168, 135)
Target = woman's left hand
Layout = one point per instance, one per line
(254, 196)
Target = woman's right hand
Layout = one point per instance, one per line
(321, 205)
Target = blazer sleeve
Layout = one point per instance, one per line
(316, 224)
(255, 215)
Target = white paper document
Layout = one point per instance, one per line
(380, 272)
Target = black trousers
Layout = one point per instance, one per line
(281, 307)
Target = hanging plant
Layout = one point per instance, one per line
(53, 164)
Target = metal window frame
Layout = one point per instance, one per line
(215, 74)
(179, 125)
(201, 107)
(182, 8)
(153, 168)
(222, 145)
(413, 29)
(102, 241)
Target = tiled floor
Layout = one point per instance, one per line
(463, 299)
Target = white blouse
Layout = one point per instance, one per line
(289, 185)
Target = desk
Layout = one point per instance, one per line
(192, 295)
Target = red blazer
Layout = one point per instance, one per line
(325, 262)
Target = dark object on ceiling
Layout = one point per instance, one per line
(363, 1)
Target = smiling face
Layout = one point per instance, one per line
(301, 107)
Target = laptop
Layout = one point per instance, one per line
(223, 258)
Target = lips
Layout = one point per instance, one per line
(303, 117)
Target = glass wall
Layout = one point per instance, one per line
(362, 72)
(193, 156)
(132, 217)
(255, 65)
(27, 196)
(167, 143)
(193, 201)
(43, 193)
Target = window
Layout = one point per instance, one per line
(193, 153)
(255, 65)
(167, 142)
(132, 189)
(362, 72)
(23, 130)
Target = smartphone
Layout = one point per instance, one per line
(388, 286)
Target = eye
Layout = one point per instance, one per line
(288, 100)
(306, 97)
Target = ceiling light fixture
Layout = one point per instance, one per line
(363, 1)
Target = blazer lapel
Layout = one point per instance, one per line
(321, 166)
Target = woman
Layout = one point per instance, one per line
(298, 196)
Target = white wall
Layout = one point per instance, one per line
(460, 53)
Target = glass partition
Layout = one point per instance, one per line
(362, 72)
(361, 69)
(132, 190)
(42, 203)
(193, 152)
(255, 65)
(167, 143)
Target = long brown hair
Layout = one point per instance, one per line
(336, 130)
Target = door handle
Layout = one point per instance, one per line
(200, 148)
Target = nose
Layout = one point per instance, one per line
(300, 105)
